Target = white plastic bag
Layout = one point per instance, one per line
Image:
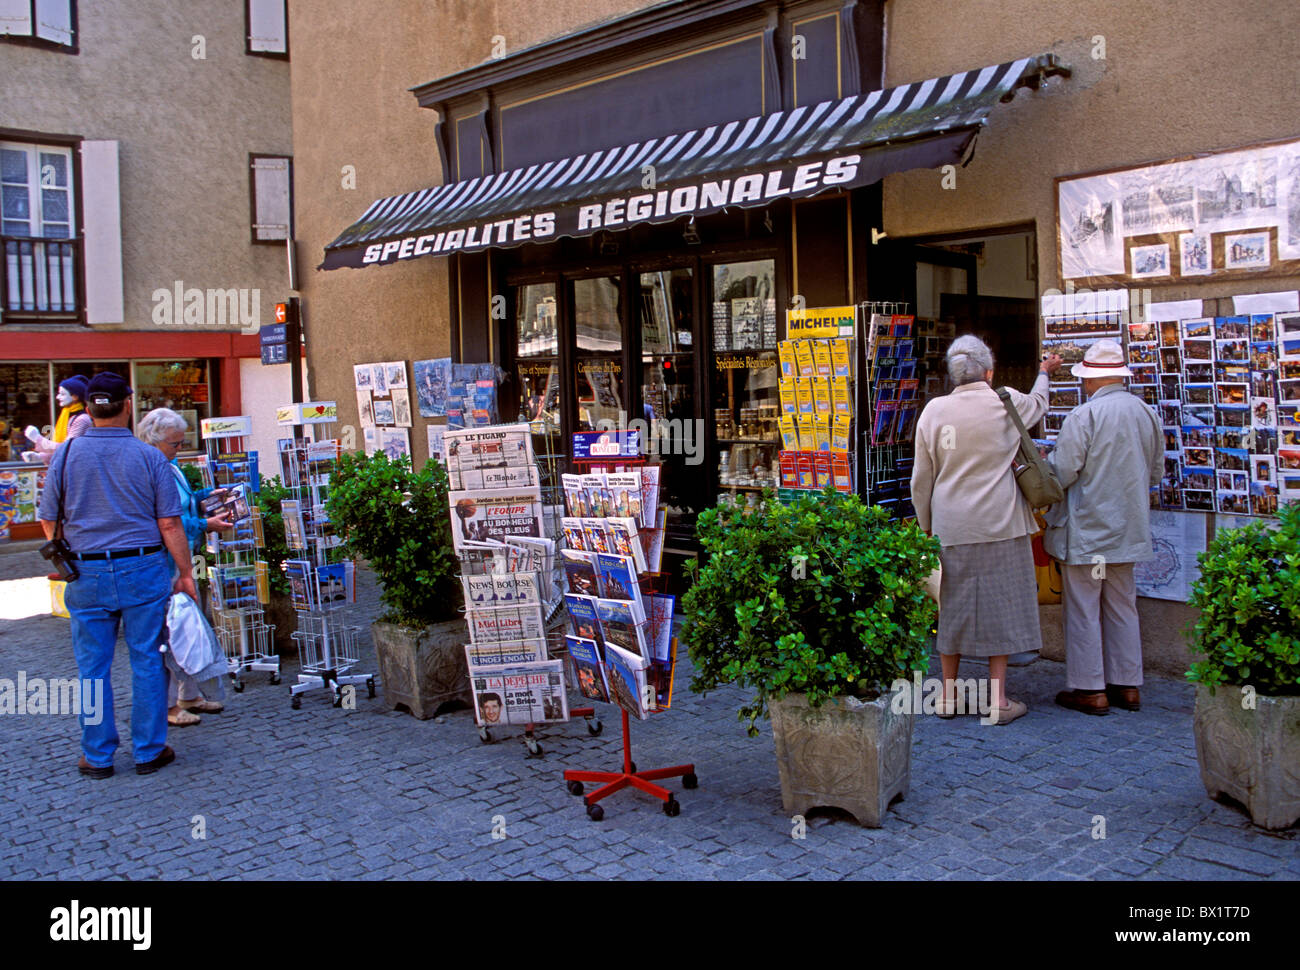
(192, 641)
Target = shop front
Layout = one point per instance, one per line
(625, 270)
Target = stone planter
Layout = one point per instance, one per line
(1251, 755)
(848, 754)
(280, 613)
(423, 668)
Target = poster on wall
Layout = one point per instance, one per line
(1234, 212)
(431, 380)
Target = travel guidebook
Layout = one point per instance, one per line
(622, 623)
(618, 578)
(521, 694)
(582, 616)
(580, 572)
(625, 673)
(588, 669)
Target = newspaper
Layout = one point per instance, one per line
(525, 694)
(486, 514)
(500, 456)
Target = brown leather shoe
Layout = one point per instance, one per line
(1125, 697)
(93, 771)
(1084, 701)
(162, 761)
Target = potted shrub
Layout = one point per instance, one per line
(819, 606)
(1247, 720)
(398, 520)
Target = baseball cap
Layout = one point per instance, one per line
(1105, 358)
(107, 388)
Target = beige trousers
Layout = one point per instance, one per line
(1102, 642)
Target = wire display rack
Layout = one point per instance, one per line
(322, 581)
(238, 577)
(890, 402)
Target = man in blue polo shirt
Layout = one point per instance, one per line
(120, 509)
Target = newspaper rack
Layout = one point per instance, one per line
(247, 640)
(322, 582)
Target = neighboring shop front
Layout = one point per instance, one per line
(630, 210)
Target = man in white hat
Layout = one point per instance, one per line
(1108, 455)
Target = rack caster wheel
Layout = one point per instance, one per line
(338, 698)
(594, 727)
(595, 813)
(633, 765)
(370, 687)
(575, 788)
(534, 749)
(485, 735)
(672, 808)
(239, 686)
(295, 702)
(274, 678)
(690, 781)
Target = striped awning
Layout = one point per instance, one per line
(802, 152)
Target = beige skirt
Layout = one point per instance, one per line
(989, 599)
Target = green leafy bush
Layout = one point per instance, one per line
(824, 596)
(399, 521)
(1249, 598)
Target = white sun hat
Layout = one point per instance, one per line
(1105, 358)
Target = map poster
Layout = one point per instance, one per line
(1177, 538)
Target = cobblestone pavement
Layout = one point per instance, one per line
(369, 793)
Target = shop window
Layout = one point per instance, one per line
(266, 24)
(45, 23)
(271, 191)
(665, 302)
(37, 218)
(744, 375)
(537, 370)
(24, 400)
(181, 385)
(598, 330)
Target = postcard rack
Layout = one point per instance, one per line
(621, 650)
(237, 579)
(322, 583)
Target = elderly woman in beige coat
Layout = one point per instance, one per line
(965, 494)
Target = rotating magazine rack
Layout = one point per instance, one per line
(322, 582)
(622, 650)
(237, 580)
(502, 519)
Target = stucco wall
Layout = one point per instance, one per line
(1174, 81)
(185, 128)
(351, 106)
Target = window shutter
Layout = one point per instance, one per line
(272, 195)
(268, 27)
(102, 239)
(54, 21)
(16, 17)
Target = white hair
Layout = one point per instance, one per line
(158, 424)
(969, 358)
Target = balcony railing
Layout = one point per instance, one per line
(40, 278)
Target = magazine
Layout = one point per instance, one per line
(580, 572)
(505, 624)
(622, 624)
(582, 616)
(624, 541)
(618, 579)
(495, 514)
(588, 669)
(625, 675)
(530, 693)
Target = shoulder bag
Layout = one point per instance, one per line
(1034, 476)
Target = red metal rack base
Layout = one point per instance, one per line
(629, 777)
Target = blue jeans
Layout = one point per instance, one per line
(132, 593)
